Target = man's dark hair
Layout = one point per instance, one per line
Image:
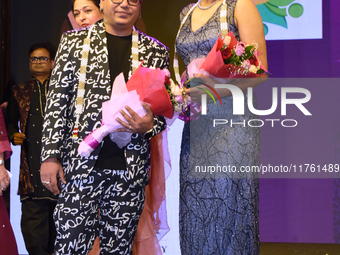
(46, 46)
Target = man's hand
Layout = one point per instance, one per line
(50, 171)
(4, 179)
(136, 124)
(19, 138)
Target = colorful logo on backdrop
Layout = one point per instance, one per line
(291, 19)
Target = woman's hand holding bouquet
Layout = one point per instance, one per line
(229, 60)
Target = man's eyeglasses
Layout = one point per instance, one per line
(39, 59)
(130, 2)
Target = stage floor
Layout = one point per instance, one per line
(299, 248)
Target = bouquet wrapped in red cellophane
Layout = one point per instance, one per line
(228, 59)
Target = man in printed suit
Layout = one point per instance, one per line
(110, 179)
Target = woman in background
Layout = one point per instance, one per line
(8, 244)
(86, 12)
(219, 215)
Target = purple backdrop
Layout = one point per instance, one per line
(302, 210)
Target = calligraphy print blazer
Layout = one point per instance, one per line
(59, 120)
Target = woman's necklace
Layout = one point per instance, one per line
(208, 7)
(224, 30)
(82, 74)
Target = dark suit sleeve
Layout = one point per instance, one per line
(12, 116)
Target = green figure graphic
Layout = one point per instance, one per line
(276, 11)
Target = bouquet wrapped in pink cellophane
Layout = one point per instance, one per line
(145, 85)
(228, 59)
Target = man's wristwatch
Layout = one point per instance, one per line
(148, 134)
(2, 162)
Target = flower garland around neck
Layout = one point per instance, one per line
(82, 74)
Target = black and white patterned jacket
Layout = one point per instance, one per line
(60, 105)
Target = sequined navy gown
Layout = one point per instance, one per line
(217, 215)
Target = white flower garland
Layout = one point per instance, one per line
(82, 77)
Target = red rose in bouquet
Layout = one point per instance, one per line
(254, 61)
(228, 59)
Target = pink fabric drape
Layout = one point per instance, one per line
(153, 223)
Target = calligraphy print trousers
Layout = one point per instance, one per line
(120, 198)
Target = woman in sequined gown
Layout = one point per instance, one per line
(219, 215)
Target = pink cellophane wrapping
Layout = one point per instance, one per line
(120, 97)
(146, 85)
(150, 86)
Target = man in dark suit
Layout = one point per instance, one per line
(110, 179)
(26, 105)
